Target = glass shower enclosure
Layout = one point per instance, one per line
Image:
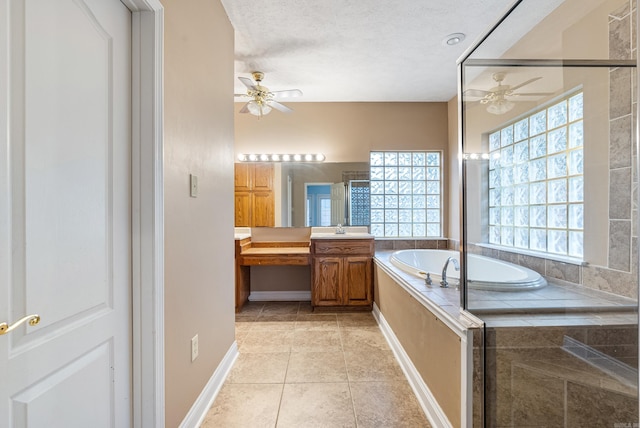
(548, 132)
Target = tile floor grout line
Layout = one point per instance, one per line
(346, 323)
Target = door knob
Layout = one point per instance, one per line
(31, 319)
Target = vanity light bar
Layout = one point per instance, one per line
(318, 157)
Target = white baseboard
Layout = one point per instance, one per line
(199, 410)
(427, 401)
(280, 296)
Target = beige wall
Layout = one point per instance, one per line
(198, 139)
(347, 132)
(344, 132)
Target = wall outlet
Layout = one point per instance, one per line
(194, 347)
(193, 181)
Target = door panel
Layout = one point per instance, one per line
(263, 177)
(36, 405)
(327, 276)
(65, 208)
(337, 204)
(262, 209)
(242, 209)
(357, 271)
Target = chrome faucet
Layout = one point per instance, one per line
(444, 283)
(340, 230)
(427, 278)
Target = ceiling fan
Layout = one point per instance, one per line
(262, 99)
(497, 98)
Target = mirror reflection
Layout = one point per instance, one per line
(322, 194)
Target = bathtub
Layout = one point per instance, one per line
(483, 273)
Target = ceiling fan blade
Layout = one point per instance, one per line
(513, 88)
(241, 95)
(290, 93)
(245, 108)
(247, 82)
(531, 94)
(281, 107)
(475, 93)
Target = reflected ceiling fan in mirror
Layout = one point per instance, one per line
(499, 99)
(262, 99)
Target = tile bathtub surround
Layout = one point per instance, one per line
(300, 368)
(532, 380)
(411, 244)
(621, 280)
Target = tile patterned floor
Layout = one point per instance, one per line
(298, 368)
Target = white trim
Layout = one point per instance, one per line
(466, 380)
(427, 401)
(147, 311)
(280, 296)
(200, 407)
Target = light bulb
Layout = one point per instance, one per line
(308, 158)
(264, 158)
(319, 157)
(253, 157)
(297, 158)
(275, 158)
(286, 158)
(242, 157)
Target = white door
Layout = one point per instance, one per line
(337, 204)
(65, 213)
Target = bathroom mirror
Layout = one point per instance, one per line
(322, 194)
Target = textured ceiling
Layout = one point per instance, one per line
(357, 50)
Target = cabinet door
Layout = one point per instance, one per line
(263, 177)
(327, 276)
(357, 281)
(243, 209)
(263, 209)
(242, 177)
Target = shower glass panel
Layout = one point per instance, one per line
(548, 122)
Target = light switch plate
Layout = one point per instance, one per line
(194, 347)
(193, 180)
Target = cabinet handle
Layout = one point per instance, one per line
(31, 319)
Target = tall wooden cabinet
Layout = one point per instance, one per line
(342, 272)
(254, 195)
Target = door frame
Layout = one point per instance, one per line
(147, 213)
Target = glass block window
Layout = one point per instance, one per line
(406, 195)
(536, 167)
(359, 203)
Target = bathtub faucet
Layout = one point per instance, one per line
(444, 283)
(427, 278)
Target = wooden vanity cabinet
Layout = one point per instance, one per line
(342, 272)
(254, 196)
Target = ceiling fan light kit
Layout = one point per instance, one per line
(262, 99)
(497, 98)
(500, 106)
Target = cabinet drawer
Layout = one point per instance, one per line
(275, 260)
(342, 246)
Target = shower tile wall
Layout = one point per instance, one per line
(534, 381)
